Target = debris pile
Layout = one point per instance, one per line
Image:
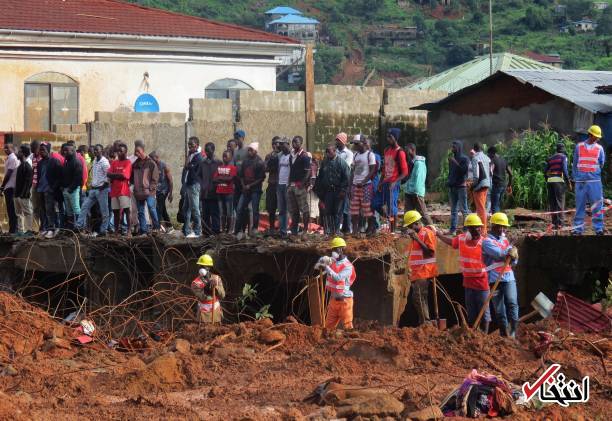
(261, 371)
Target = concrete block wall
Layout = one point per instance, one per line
(413, 123)
(163, 132)
(265, 114)
(350, 109)
(211, 120)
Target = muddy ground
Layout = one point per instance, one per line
(229, 372)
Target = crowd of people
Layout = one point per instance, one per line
(353, 189)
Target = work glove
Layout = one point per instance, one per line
(323, 262)
(513, 253)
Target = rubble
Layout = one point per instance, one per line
(229, 373)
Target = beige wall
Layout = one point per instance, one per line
(112, 82)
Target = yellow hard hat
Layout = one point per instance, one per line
(473, 220)
(411, 217)
(205, 260)
(500, 218)
(337, 242)
(595, 131)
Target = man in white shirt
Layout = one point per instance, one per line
(283, 181)
(97, 192)
(8, 185)
(347, 155)
(362, 191)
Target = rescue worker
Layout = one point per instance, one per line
(422, 262)
(475, 279)
(208, 287)
(340, 277)
(589, 159)
(496, 251)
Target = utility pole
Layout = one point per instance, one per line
(309, 96)
(490, 37)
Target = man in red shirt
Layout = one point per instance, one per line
(395, 169)
(475, 278)
(225, 178)
(119, 175)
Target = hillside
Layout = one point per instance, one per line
(447, 35)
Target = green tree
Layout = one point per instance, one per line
(537, 19)
(327, 63)
(459, 54)
(577, 9)
(604, 25)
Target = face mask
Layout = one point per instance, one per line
(335, 255)
(203, 272)
(468, 236)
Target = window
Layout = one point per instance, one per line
(227, 88)
(50, 98)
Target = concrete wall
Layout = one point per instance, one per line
(350, 109)
(413, 123)
(444, 126)
(265, 114)
(163, 132)
(211, 120)
(110, 82)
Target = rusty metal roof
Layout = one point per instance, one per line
(578, 316)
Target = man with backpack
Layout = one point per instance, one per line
(395, 169)
(362, 191)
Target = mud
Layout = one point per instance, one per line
(244, 371)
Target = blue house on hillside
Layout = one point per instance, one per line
(290, 22)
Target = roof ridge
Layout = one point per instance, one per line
(210, 21)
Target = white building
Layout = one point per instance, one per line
(62, 60)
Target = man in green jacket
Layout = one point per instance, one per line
(414, 189)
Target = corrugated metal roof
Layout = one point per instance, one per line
(578, 316)
(575, 86)
(283, 10)
(294, 19)
(466, 74)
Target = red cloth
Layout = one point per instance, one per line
(85, 169)
(120, 187)
(225, 170)
(478, 281)
(59, 157)
(392, 158)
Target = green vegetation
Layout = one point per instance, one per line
(526, 155)
(448, 36)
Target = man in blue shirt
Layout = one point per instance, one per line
(589, 159)
(498, 255)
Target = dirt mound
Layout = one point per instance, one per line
(23, 327)
(162, 374)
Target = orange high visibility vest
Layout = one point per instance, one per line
(500, 267)
(421, 267)
(206, 306)
(588, 158)
(470, 257)
(340, 286)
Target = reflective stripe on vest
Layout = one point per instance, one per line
(340, 286)
(500, 267)
(209, 306)
(470, 257)
(588, 158)
(416, 255)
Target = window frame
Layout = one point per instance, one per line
(50, 86)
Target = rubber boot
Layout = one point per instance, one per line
(484, 327)
(306, 223)
(503, 330)
(513, 326)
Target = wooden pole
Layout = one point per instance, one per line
(314, 302)
(490, 37)
(310, 109)
(491, 292)
(435, 299)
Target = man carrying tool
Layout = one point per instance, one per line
(422, 262)
(589, 159)
(497, 252)
(208, 287)
(340, 276)
(475, 279)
